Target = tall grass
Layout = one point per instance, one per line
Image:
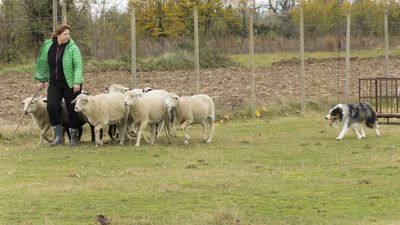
(281, 171)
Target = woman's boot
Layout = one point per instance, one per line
(58, 135)
(74, 136)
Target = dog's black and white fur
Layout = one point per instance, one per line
(353, 116)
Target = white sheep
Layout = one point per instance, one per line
(160, 92)
(129, 126)
(38, 110)
(117, 88)
(146, 110)
(193, 109)
(145, 91)
(102, 110)
(171, 114)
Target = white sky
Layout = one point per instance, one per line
(123, 5)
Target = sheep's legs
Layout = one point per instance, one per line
(153, 133)
(140, 132)
(97, 129)
(212, 130)
(184, 127)
(171, 122)
(159, 128)
(131, 131)
(122, 130)
(168, 133)
(203, 124)
(43, 135)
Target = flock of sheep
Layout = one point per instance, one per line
(131, 111)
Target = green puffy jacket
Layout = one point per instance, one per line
(72, 64)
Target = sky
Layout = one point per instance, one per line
(123, 5)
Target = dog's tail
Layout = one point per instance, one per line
(372, 120)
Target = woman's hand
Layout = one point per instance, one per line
(42, 85)
(77, 88)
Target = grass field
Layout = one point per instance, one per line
(266, 59)
(283, 171)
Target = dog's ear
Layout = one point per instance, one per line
(341, 114)
(338, 111)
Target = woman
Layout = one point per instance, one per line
(60, 64)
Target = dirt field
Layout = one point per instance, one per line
(230, 88)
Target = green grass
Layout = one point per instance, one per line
(266, 60)
(17, 69)
(284, 171)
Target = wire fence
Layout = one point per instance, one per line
(109, 38)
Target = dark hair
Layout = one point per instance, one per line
(59, 29)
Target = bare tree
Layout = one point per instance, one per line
(280, 5)
(101, 7)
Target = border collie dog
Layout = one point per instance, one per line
(353, 116)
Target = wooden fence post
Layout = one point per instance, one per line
(252, 81)
(196, 50)
(64, 13)
(302, 70)
(54, 15)
(347, 78)
(133, 47)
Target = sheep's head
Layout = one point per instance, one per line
(130, 97)
(30, 105)
(172, 101)
(147, 89)
(80, 102)
(117, 88)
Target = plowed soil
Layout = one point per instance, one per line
(230, 88)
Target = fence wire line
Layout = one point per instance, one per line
(109, 38)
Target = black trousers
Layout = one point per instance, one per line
(55, 94)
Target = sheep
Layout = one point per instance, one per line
(102, 110)
(122, 89)
(83, 119)
(171, 113)
(37, 107)
(193, 109)
(146, 109)
(117, 88)
(146, 91)
(160, 92)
